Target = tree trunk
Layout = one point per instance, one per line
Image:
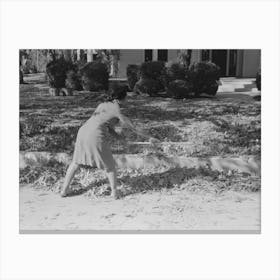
(21, 81)
(78, 55)
(189, 57)
(52, 55)
(185, 57)
(72, 55)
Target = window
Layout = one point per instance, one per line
(205, 55)
(219, 57)
(162, 55)
(148, 55)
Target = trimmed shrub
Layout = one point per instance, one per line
(80, 64)
(148, 86)
(204, 77)
(133, 75)
(212, 89)
(152, 70)
(117, 89)
(56, 72)
(73, 80)
(179, 89)
(94, 76)
(177, 71)
(153, 78)
(258, 79)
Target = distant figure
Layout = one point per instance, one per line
(92, 148)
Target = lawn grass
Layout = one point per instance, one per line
(225, 125)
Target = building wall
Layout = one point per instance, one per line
(239, 63)
(131, 56)
(248, 61)
(251, 62)
(173, 55)
(196, 56)
(137, 56)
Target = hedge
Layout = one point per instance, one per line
(147, 86)
(204, 77)
(177, 71)
(179, 89)
(56, 71)
(94, 76)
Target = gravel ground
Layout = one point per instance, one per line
(164, 210)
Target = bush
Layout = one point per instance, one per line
(56, 72)
(80, 64)
(152, 70)
(94, 76)
(148, 86)
(179, 89)
(133, 75)
(204, 77)
(212, 89)
(117, 89)
(73, 80)
(258, 79)
(177, 71)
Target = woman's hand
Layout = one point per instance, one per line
(123, 141)
(114, 133)
(154, 141)
(126, 122)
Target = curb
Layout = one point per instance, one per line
(248, 164)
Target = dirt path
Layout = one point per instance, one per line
(166, 210)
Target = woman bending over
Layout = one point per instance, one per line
(92, 147)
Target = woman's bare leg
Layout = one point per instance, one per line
(112, 177)
(72, 169)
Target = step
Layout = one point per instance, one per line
(237, 87)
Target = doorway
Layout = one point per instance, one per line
(162, 55)
(226, 60)
(219, 57)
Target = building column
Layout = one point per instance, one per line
(239, 63)
(89, 55)
(155, 54)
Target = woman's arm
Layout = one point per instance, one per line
(126, 122)
(115, 134)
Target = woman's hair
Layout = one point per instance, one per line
(118, 92)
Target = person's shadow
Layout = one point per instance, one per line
(151, 182)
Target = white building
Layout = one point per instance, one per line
(242, 63)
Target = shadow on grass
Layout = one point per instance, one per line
(193, 179)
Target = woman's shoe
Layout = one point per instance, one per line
(64, 193)
(115, 194)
